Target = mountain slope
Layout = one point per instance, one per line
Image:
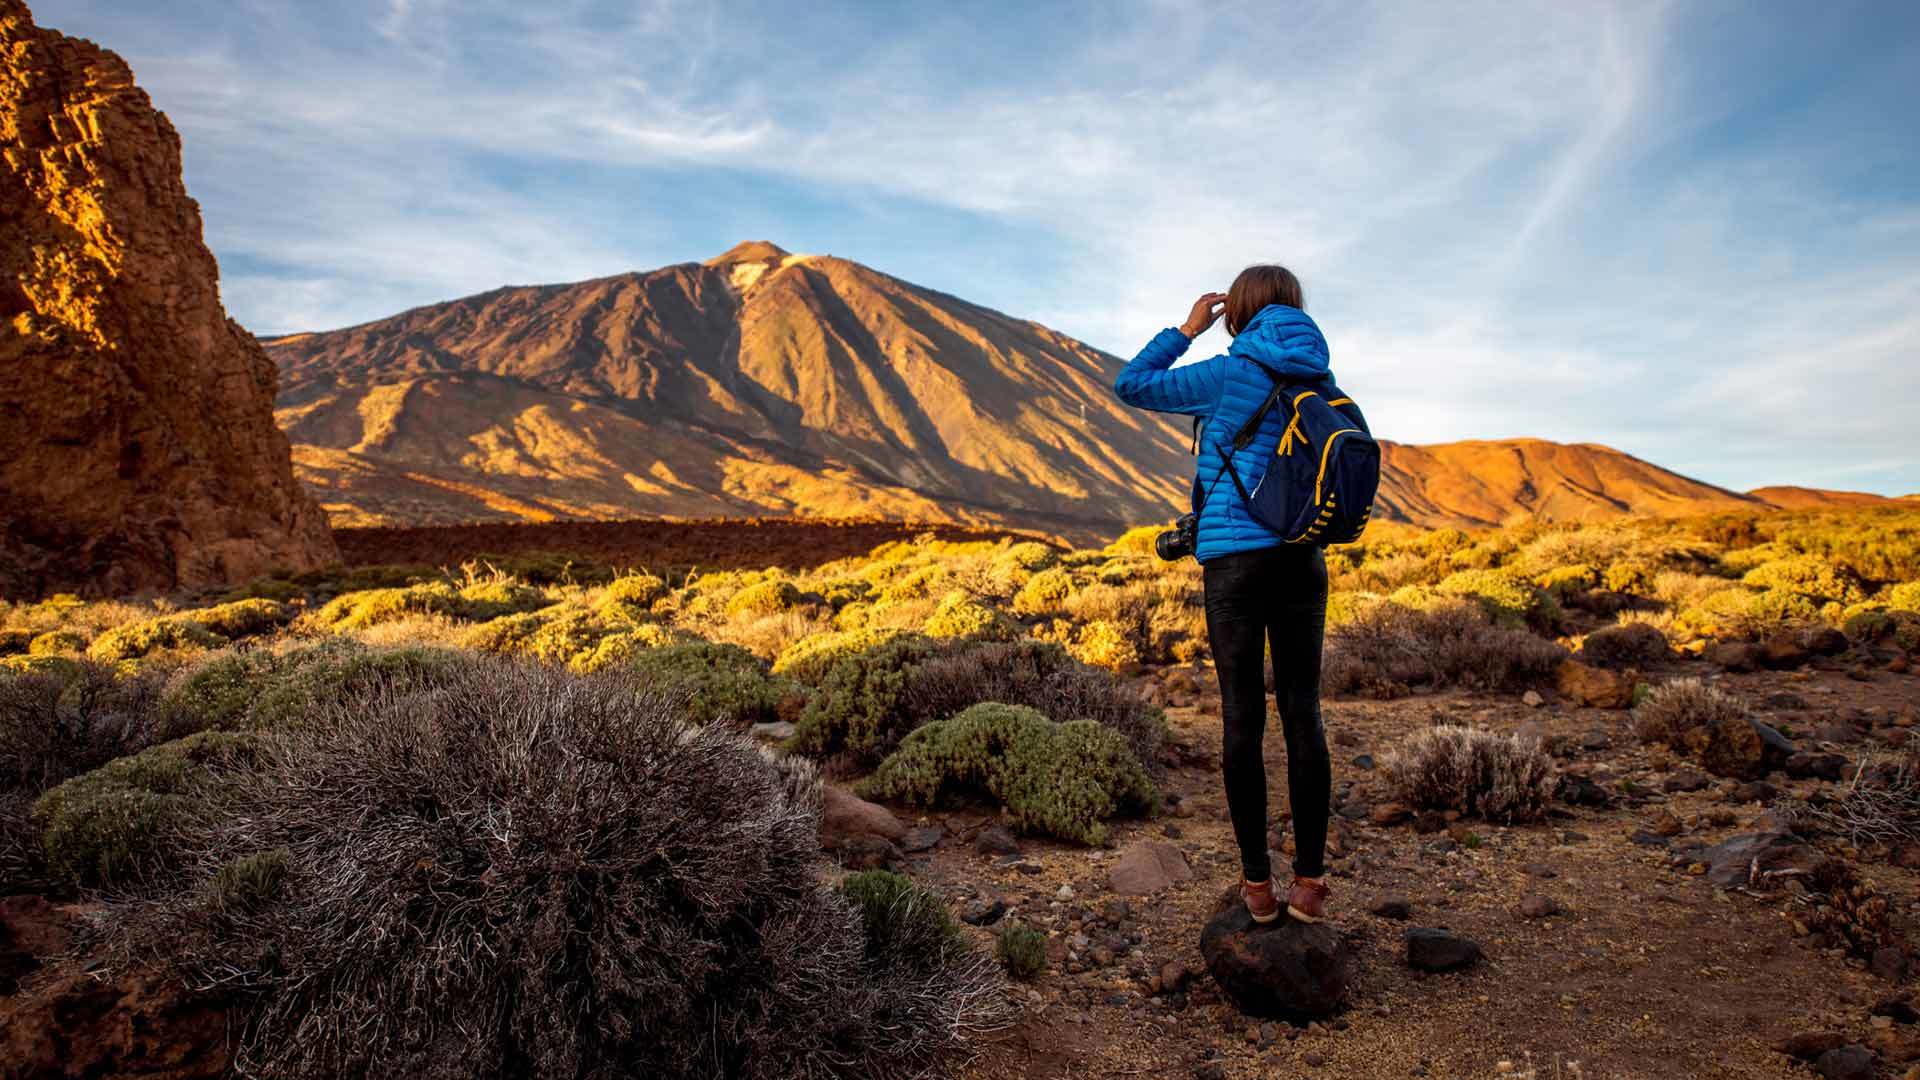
(764, 383)
(758, 382)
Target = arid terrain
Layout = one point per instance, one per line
(1707, 867)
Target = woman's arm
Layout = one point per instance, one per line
(1150, 381)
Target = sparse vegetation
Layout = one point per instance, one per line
(1063, 780)
(1022, 950)
(1674, 709)
(1503, 778)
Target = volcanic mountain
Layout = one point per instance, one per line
(764, 383)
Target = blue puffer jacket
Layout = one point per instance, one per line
(1226, 390)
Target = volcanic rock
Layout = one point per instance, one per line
(1284, 970)
(138, 448)
(846, 819)
(1751, 857)
(1594, 686)
(1739, 747)
(1432, 949)
(1148, 867)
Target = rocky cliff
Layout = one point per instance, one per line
(137, 441)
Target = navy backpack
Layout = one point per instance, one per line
(1319, 487)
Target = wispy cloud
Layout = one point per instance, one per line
(1639, 224)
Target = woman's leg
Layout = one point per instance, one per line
(1297, 628)
(1236, 634)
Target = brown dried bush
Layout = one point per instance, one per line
(1503, 778)
(1387, 649)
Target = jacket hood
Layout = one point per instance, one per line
(1285, 341)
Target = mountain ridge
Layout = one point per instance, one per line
(761, 381)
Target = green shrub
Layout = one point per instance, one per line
(630, 598)
(1044, 593)
(1022, 950)
(135, 640)
(1808, 576)
(1504, 778)
(904, 920)
(1102, 643)
(261, 689)
(1563, 581)
(484, 600)
(617, 648)
(1063, 780)
(1037, 674)
(810, 658)
(121, 822)
(1029, 555)
(1510, 598)
(371, 607)
(859, 704)
(560, 634)
(243, 618)
(60, 666)
(1634, 576)
(961, 616)
(56, 643)
(722, 684)
(249, 882)
(764, 598)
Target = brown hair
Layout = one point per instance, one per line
(1255, 288)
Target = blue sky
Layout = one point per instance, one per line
(1690, 231)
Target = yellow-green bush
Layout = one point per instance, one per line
(616, 649)
(1044, 593)
(961, 616)
(1807, 576)
(764, 598)
(1507, 596)
(56, 642)
(135, 640)
(1344, 607)
(1103, 643)
(631, 595)
(723, 684)
(1634, 576)
(1136, 541)
(859, 705)
(1563, 581)
(243, 618)
(809, 658)
(1904, 596)
(1063, 780)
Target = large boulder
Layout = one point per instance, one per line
(1757, 858)
(139, 448)
(1739, 747)
(860, 833)
(1284, 970)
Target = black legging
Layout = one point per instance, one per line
(1276, 595)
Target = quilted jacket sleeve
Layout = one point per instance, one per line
(1150, 381)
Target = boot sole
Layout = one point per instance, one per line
(1301, 915)
(1261, 921)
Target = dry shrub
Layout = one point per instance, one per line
(535, 874)
(1504, 778)
(1387, 649)
(1675, 708)
(1625, 644)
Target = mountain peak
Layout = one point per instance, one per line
(749, 251)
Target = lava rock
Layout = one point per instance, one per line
(1582, 791)
(925, 838)
(1735, 656)
(1740, 859)
(1433, 949)
(1754, 791)
(1825, 641)
(846, 818)
(1284, 970)
(1807, 1045)
(1597, 687)
(1535, 906)
(996, 840)
(983, 912)
(1393, 907)
(1806, 766)
(1684, 780)
(1853, 1062)
(1147, 867)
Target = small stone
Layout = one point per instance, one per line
(1147, 867)
(1535, 906)
(1398, 908)
(1313, 1060)
(1852, 1062)
(1684, 780)
(983, 912)
(1434, 950)
(1389, 813)
(1064, 893)
(1665, 823)
(996, 840)
(925, 838)
(1532, 699)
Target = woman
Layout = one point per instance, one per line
(1259, 590)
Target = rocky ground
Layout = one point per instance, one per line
(1608, 950)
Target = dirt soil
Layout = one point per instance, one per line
(726, 544)
(1649, 971)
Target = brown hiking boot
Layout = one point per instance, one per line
(1307, 900)
(1261, 903)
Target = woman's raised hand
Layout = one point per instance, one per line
(1205, 311)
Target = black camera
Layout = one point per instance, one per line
(1177, 542)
